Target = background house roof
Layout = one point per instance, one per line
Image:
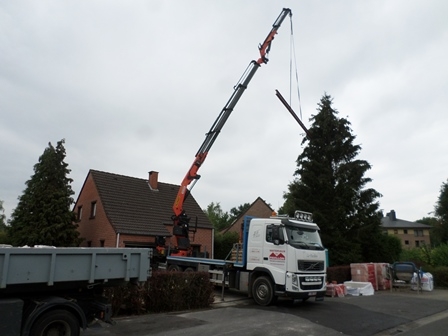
(390, 221)
(132, 207)
(258, 208)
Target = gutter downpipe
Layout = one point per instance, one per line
(213, 244)
(118, 240)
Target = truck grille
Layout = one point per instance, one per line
(310, 266)
(317, 284)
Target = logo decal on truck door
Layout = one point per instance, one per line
(277, 256)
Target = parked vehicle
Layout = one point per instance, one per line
(279, 256)
(46, 291)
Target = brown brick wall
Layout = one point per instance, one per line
(97, 228)
(410, 237)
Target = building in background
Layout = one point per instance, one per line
(411, 234)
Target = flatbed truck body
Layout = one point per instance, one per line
(58, 291)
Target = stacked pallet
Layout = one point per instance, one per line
(237, 252)
(375, 273)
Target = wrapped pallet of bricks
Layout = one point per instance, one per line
(375, 273)
(381, 270)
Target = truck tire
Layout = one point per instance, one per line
(263, 291)
(174, 268)
(56, 323)
(189, 269)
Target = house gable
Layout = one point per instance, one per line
(134, 208)
(259, 208)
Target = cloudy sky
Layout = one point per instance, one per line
(133, 86)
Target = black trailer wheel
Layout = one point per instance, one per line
(189, 269)
(263, 291)
(174, 268)
(56, 323)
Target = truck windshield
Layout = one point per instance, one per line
(304, 238)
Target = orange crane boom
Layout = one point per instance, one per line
(180, 219)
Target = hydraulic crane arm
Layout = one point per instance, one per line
(180, 218)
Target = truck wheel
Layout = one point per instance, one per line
(56, 323)
(262, 291)
(189, 269)
(174, 268)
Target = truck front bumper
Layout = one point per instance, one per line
(303, 286)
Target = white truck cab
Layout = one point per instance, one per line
(288, 252)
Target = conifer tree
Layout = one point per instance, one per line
(330, 182)
(43, 215)
(439, 234)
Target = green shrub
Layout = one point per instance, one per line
(163, 292)
(224, 243)
(440, 255)
(340, 274)
(439, 274)
(416, 255)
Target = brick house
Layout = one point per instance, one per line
(121, 211)
(259, 208)
(411, 234)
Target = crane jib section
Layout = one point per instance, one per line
(179, 218)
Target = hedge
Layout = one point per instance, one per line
(163, 292)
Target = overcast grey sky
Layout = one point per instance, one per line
(133, 86)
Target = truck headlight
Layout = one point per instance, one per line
(295, 281)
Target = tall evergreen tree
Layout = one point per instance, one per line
(440, 230)
(330, 183)
(43, 215)
(3, 227)
(2, 217)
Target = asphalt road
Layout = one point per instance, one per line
(385, 313)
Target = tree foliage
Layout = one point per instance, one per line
(2, 217)
(236, 211)
(223, 241)
(217, 216)
(43, 215)
(3, 228)
(222, 219)
(439, 234)
(330, 182)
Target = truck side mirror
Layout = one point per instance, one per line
(276, 239)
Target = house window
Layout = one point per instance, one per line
(93, 209)
(417, 243)
(406, 242)
(102, 242)
(79, 212)
(395, 231)
(405, 231)
(89, 243)
(418, 233)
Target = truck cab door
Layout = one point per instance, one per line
(275, 253)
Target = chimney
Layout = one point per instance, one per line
(392, 216)
(153, 180)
